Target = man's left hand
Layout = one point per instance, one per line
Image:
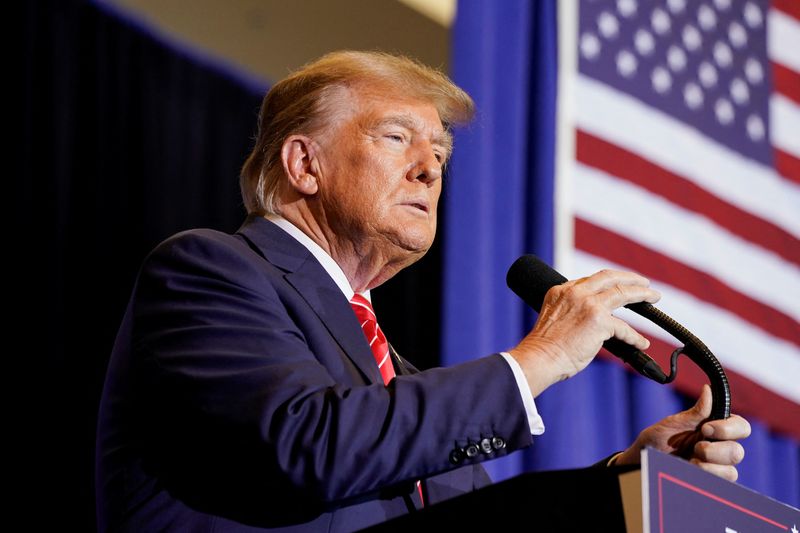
(684, 434)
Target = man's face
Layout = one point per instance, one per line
(380, 173)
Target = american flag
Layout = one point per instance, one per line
(680, 159)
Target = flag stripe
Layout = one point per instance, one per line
(769, 361)
(783, 39)
(608, 245)
(789, 7)
(626, 165)
(632, 125)
(784, 116)
(786, 81)
(788, 165)
(688, 237)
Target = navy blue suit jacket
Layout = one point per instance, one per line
(242, 395)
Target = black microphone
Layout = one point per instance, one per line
(530, 278)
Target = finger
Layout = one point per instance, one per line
(702, 408)
(732, 428)
(720, 452)
(620, 295)
(609, 288)
(724, 471)
(605, 279)
(624, 332)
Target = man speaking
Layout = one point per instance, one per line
(251, 388)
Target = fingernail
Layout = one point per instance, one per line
(708, 431)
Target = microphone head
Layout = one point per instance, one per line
(530, 278)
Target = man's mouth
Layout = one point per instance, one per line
(421, 205)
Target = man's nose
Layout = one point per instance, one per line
(428, 168)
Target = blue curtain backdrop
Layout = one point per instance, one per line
(499, 205)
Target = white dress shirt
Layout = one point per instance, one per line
(335, 272)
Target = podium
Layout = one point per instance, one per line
(665, 495)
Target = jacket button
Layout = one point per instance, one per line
(472, 450)
(498, 443)
(486, 445)
(456, 456)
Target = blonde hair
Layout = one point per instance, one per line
(304, 103)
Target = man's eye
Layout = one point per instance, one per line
(396, 137)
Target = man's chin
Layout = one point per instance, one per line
(414, 243)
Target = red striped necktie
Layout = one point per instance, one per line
(379, 345)
(375, 337)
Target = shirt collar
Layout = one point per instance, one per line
(331, 267)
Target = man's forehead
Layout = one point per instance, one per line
(377, 110)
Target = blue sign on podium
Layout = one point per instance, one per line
(678, 497)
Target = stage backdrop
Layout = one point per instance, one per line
(674, 161)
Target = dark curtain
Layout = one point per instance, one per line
(127, 138)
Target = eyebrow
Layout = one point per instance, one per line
(443, 139)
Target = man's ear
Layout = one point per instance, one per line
(298, 158)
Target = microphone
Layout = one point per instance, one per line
(530, 278)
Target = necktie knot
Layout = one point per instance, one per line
(375, 337)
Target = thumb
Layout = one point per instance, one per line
(702, 408)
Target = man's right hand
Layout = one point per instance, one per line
(576, 318)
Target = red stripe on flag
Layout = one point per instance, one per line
(787, 165)
(786, 81)
(626, 165)
(790, 7)
(622, 250)
(748, 398)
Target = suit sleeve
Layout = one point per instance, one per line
(234, 389)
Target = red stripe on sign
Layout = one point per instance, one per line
(786, 81)
(633, 168)
(711, 496)
(790, 7)
(748, 398)
(787, 165)
(603, 243)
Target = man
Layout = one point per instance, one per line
(242, 392)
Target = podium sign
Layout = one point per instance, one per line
(678, 497)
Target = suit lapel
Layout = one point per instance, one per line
(335, 312)
(304, 273)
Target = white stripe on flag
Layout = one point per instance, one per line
(740, 346)
(783, 39)
(681, 149)
(686, 236)
(784, 117)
